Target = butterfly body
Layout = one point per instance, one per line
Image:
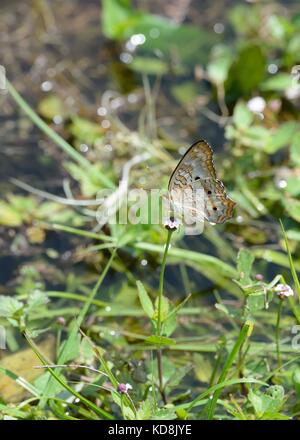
(195, 171)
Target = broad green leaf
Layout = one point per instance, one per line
(175, 379)
(164, 308)
(279, 83)
(282, 137)
(247, 72)
(52, 106)
(185, 92)
(218, 67)
(145, 300)
(86, 131)
(115, 15)
(169, 325)
(256, 301)
(36, 300)
(269, 402)
(9, 306)
(203, 367)
(9, 216)
(295, 150)
(245, 261)
(293, 208)
(242, 116)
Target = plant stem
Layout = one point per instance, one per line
(229, 361)
(278, 332)
(160, 375)
(159, 326)
(161, 283)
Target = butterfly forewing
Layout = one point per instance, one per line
(195, 176)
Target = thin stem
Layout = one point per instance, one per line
(229, 361)
(160, 375)
(159, 326)
(161, 282)
(278, 332)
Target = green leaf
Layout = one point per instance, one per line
(218, 68)
(242, 116)
(213, 268)
(52, 106)
(178, 375)
(282, 137)
(185, 93)
(164, 414)
(256, 300)
(255, 136)
(247, 72)
(171, 320)
(164, 311)
(36, 299)
(295, 150)
(145, 300)
(269, 402)
(85, 130)
(293, 186)
(115, 15)
(160, 340)
(293, 208)
(169, 325)
(203, 367)
(245, 262)
(9, 306)
(9, 216)
(279, 83)
(149, 65)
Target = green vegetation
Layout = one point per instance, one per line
(137, 321)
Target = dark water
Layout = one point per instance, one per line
(61, 43)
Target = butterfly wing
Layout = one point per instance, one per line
(196, 162)
(196, 171)
(218, 207)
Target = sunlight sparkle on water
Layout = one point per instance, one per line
(137, 39)
(46, 86)
(272, 68)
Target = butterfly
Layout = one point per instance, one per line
(195, 176)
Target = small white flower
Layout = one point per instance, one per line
(256, 104)
(283, 290)
(171, 224)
